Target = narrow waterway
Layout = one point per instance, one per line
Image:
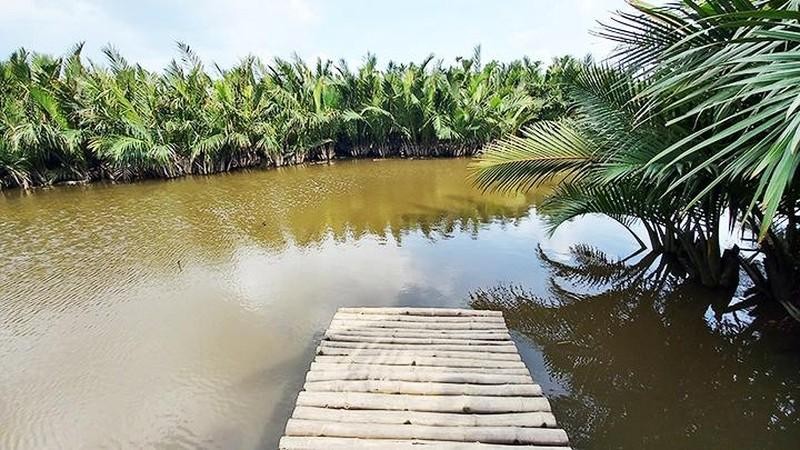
(183, 314)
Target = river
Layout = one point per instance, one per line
(184, 314)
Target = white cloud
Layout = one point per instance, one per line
(302, 10)
(53, 27)
(146, 33)
(565, 28)
(244, 27)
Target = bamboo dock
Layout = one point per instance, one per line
(432, 378)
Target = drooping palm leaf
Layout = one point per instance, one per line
(729, 70)
(545, 150)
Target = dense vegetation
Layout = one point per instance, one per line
(694, 117)
(65, 119)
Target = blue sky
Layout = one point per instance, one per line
(226, 30)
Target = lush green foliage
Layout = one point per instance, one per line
(603, 158)
(727, 71)
(698, 116)
(66, 119)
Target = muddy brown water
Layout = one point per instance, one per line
(184, 314)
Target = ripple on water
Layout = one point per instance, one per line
(184, 314)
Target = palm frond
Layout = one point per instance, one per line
(544, 150)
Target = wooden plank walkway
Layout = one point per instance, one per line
(432, 378)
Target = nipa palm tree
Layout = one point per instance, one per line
(601, 161)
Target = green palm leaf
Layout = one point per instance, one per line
(544, 150)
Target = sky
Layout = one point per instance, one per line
(224, 31)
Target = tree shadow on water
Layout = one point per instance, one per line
(643, 364)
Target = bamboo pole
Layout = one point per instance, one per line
(492, 435)
(338, 367)
(418, 375)
(457, 403)
(390, 360)
(408, 387)
(318, 443)
(419, 319)
(472, 325)
(527, 419)
(336, 351)
(507, 348)
(404, 340)
(422, 311)
(429, 334)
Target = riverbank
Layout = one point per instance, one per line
(64, 120)
(263, 162)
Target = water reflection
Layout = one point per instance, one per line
(633, 362)
(184, 314)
